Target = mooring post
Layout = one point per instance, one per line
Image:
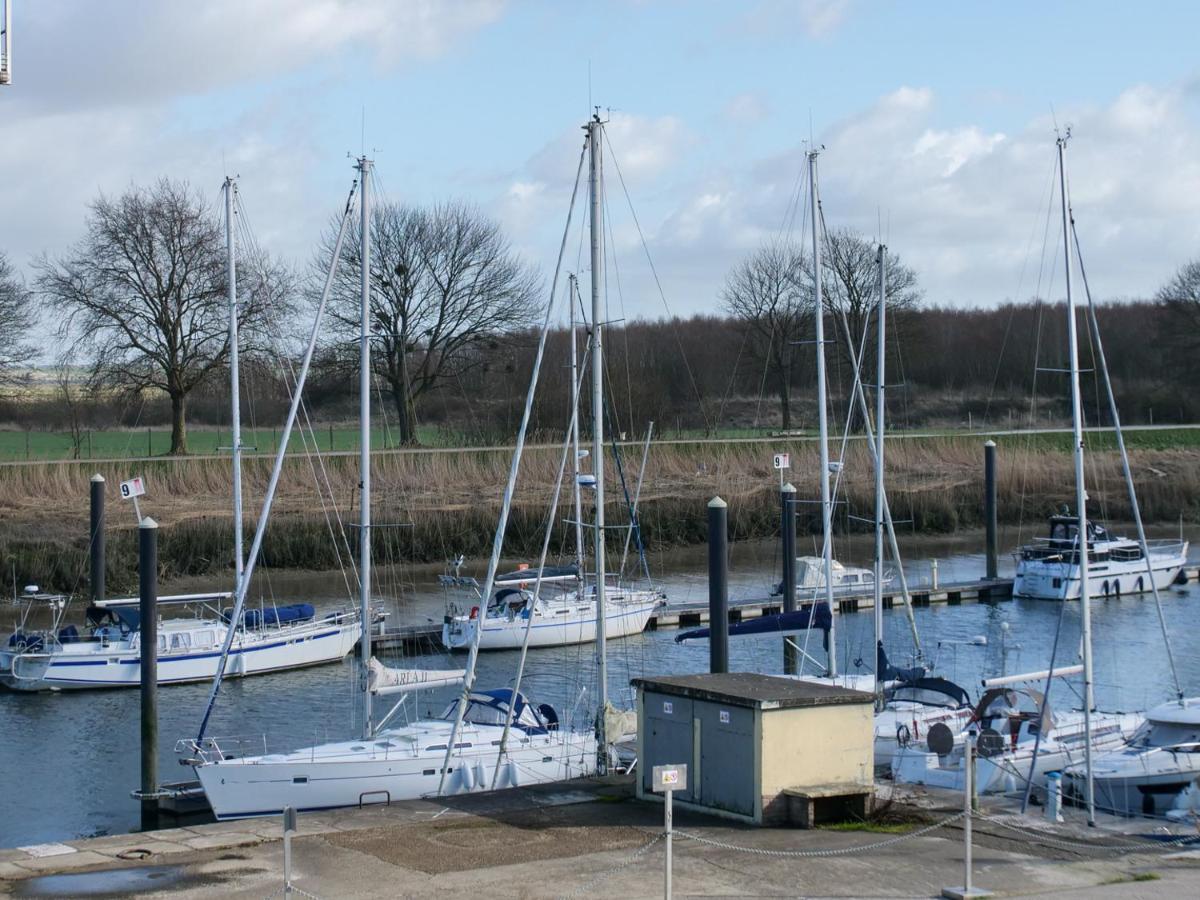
(148, 635)
(787, 532)
(718, 585)
(96, 538)
(989, 504)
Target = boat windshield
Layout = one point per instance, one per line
(1164, 734)
(491, 708)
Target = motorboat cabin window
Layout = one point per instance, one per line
(206, 638)
(181, 641)
(162, 643)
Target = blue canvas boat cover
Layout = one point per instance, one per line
(816, 616)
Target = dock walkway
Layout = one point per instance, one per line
(691, 615)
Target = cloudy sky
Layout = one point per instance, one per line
(938, 122)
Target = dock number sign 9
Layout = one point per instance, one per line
(783, 461)
(134, 487)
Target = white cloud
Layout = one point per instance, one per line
(82, 53)
(962, 203)
(746, 108)
(816, 18)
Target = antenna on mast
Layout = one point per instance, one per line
(6, 44)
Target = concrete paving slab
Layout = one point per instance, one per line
(75, 861)
(224, 840)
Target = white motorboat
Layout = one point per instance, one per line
(1048, 568)
(1147, 774)
(810, 577)
(1008, 720)
(563, 612)
(106, 654)
(399, 763)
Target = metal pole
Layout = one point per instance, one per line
(96, 538)
(667, 828)
(1085, 606)
(969, 807)
(637, 499)
(787, 531)
(579, 550)
(718, 585)
(148, 636)
(364, 463)
(289, 825)
(6, 68)
(823, 425)
(235, 411)
(880, 408)
(989, 505)
(595, 156)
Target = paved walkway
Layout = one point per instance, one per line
(584, 840)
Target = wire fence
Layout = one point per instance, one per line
(1107, 844)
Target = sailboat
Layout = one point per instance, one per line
(486, 739)
(555, 606)
(909, 700)
(1021, 739)
(272, 638)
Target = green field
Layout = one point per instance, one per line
(33, 446)
(46, 445)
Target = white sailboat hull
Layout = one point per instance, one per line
(92, 665)
(1008, 770)
(575, 624)
(359, 773)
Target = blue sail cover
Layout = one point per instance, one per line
(275, 615)
(816, 616)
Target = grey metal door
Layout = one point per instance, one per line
(668, 738)
(726, 778)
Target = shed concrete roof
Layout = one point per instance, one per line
(753, 690)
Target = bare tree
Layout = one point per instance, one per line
(69, 397)
(16, 318)
(850, 281)
(144, 293)
(767, 291)
(444, 280)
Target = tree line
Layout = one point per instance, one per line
(138, 311)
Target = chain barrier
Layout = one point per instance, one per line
(608, 873)
(1120, 846)
(840, 851)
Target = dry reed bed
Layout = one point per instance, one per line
(451, 499)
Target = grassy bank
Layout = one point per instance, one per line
(433, 505)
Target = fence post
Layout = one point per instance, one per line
(967, 889)
(667, 828)
(289, 826)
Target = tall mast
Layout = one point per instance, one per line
(822, 423)
(364, 417)
(235, 407)
(595, 156)
(571, 297)
(1080, 489)
(880, 366)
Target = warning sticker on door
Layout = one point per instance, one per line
(724, 717)
(668, 707)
